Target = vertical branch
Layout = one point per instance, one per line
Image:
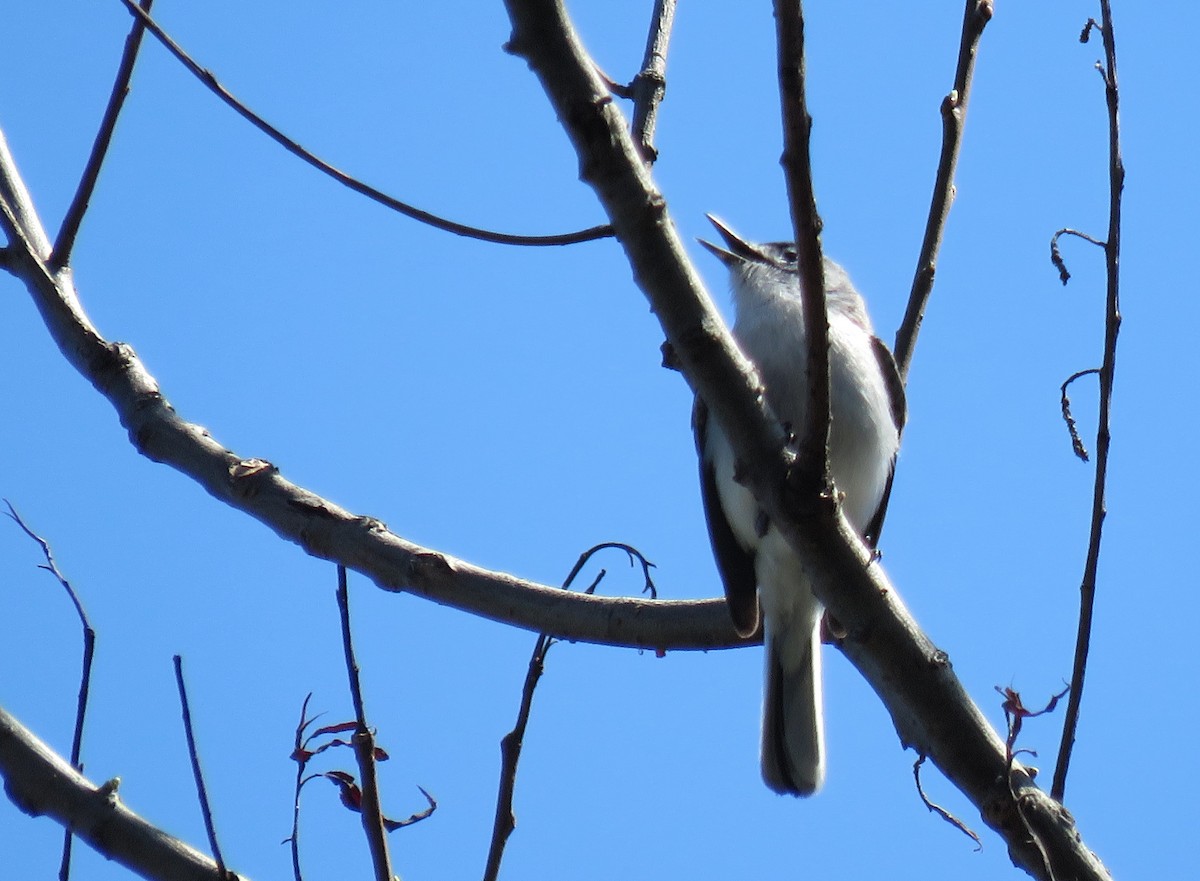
(201, 790)
(650, 85)
(954, 113)
(813, 445)
(1112, 325)
(364, 748)
(61, 255)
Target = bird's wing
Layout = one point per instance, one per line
(899, 407)
(734, 562)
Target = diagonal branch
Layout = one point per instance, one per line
(928, 704)
(954, 114)
(39, 781)
(91, 172)
(320, 527)
(210, 828)
(460, 229)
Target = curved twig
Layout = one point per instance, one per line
(1056, 253)
(459, 229)
(1069, 418)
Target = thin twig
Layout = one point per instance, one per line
(61, 255)
(1112, 326)
(301, 755)
(201, 789)
(511, 744)
(85, 677)
(472, 232)
(1069, 418)
(941, 811)
(1056, 254)
(976, 15)
(634, 555)
(364, 746)
(650, 85)
(813, 442)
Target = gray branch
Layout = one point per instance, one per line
(40, 782)
(928, 704)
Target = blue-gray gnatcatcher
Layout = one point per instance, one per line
(757, 566)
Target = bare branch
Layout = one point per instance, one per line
(85, 676)
(364, 746)
(512, 743)
(194, 756)
(320, 527)
(65, 241)
(1112, 326)
(927, 703)
(39, 782)
(650, 85)
(459, 229)
(954, 114)
(812, 475)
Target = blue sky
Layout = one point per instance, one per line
(507, 406)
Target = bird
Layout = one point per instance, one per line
(763, 578)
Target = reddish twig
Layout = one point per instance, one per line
(61, 255)
(460, 229)
(1112, 326)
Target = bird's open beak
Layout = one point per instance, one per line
(737, 249)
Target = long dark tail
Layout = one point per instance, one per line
(793, 730)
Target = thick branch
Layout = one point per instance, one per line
(38, 781)
(320, 527)
(928, 705)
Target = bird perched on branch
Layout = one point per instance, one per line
(762, 574)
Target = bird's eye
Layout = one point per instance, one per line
(790, 255)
